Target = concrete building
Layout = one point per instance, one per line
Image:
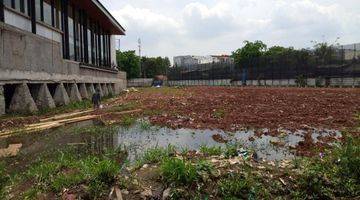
(188, 61)
(193, 61)
(351, 51)
(54, 52)
(225, 59)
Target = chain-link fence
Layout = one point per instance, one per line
(338, 66)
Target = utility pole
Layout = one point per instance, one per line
(141, 71)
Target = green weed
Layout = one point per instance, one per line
(67, 170)
(145, 125)
(219, 113)
(156, 155)
(4, 179)
(127, 121)
(178, 172)
(211, 151)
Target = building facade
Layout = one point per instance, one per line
(54, 52)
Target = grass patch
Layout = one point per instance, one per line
(178, 172)
(211, 151)
(219, 113)
(145, 125)
(128, 120)
(156, 155)
(4, 180)
(68, 170)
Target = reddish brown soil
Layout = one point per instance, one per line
(273, 108)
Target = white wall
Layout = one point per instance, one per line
(16, 20)
(113, 50)
(48, 33)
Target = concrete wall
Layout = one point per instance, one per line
(140, 82)
(27, 59)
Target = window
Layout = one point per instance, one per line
(57, 14)
(7, 3)
(71, 33)
(47, 12)
(38, 10)
(89, 37)
(17, 5)
(77, 35)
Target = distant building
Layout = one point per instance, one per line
(222, 59)
(351, 51)
(191, 61)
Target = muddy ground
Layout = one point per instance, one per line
(233, 108)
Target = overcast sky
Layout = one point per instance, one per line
(204, 27)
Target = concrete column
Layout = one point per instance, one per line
(83, 91)
(22, 101)
(2, 101)
(44, 99)
(90, 89)
(105, 89)
(110, 89)
(74, 93)
(61, 97)
(98, 87)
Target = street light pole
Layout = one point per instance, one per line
(141, 70)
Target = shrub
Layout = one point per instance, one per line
(301, 81)
(178, 172)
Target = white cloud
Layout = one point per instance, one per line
(169, 27)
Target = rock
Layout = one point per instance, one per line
(146, 193)
(125, 192)
(145, 166)
(166, 194)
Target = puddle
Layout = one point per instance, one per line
(138, 139)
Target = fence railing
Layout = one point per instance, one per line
(342, 63)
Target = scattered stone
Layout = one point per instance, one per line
(146, 194)
(166, 194)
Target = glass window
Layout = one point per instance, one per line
(89, 42)
(24, 6)
(38, 10)
(77, 36)
(57, 14)
(47, 12)
(17, 5)
(71, 33)
(7, 3)
(102, 49)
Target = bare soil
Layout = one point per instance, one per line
(234, 108)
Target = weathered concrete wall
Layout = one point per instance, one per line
(33, 58)
(2, 100)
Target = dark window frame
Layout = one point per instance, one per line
(2, 11)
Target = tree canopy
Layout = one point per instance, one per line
(250, 51)
(129, 62)
(152, 67)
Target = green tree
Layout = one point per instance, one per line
(251, 51)
(129, 62)
(155, 66)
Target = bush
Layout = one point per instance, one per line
(178, 172)
(301, 81)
